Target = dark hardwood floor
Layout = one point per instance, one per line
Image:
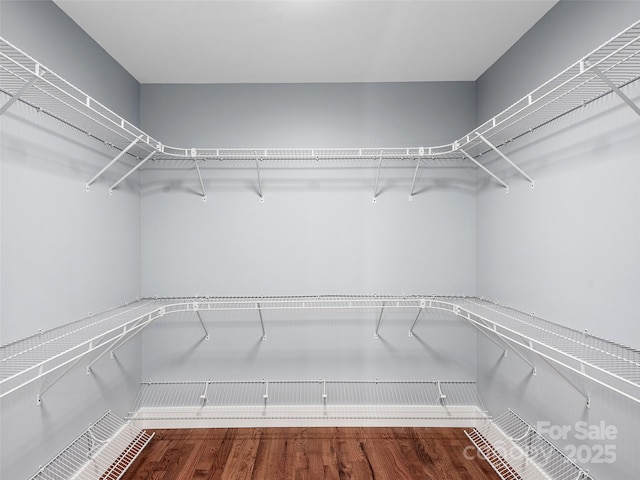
(309, 453)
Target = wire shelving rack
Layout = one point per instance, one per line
(104, 451)
(608, 68)
(572, 353)
(307, 400)
(516, 451)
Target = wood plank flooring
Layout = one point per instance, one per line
(330, 453)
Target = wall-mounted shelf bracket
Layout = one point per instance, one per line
(570, 382)
(504, 157)
(16, 96)
(126, 175)
(204, 192)
(413, 183)
(423, 304)
(441, 396)
(117, 157)
(127, 334)
(265, 396)
(503, 341)
(203, 396)
(264, 334)
(375, 190)
(615, 89)
(258, 160)
(477, 163)
(375, 335)
(204, 327)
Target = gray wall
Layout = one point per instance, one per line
(64, 252)
(317, 232)
(567, 250)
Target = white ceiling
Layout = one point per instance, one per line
(266, 41)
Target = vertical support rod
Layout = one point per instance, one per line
(264, 334)
(375, 335)
(441, 395)
(16, 96)
(204, 192)
(126, 175)
(616, 90)
(118, 157)
(495, 149)
(484, 168)
(259, 180)
(413, 183)
(266, 391)
(375, 191)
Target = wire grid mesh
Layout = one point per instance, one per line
(34, 351)
(572, 88)
(371, 394)
(611, 357)
(575, 86)
(517, 451)
(103, 451)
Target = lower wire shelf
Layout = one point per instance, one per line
(516, 451)
(306, 403)
(104, 451)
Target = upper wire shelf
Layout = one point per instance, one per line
(606, 69)
(565, 350)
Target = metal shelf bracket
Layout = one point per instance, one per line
(615, 89)
(504, 157)
(375, 335)
(375, 190)
(423, 304)
(117, 157)
(413, 183)
(258, 160)
(126, 175)
(196, 307)
(264, 334)
(16, 96)
(477, 163)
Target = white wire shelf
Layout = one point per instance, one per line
(572, 353)
(200, 403)
(607, 69)
(516, 451)
(103, 451)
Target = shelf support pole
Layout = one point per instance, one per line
(375, 335)
(123, 338)
(264, 334)
(413, 183)
(16, 96)
(126, 175)
(118, 157)
(375, 190)
(423, 304)
(615, 89)
(570, 382)
(481, 327)
(206, 332)
(495, 149)
(259, 180)
(204, 192)
(484, 168)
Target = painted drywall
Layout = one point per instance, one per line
(568, 249)
(318, 231)
(64, 252)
